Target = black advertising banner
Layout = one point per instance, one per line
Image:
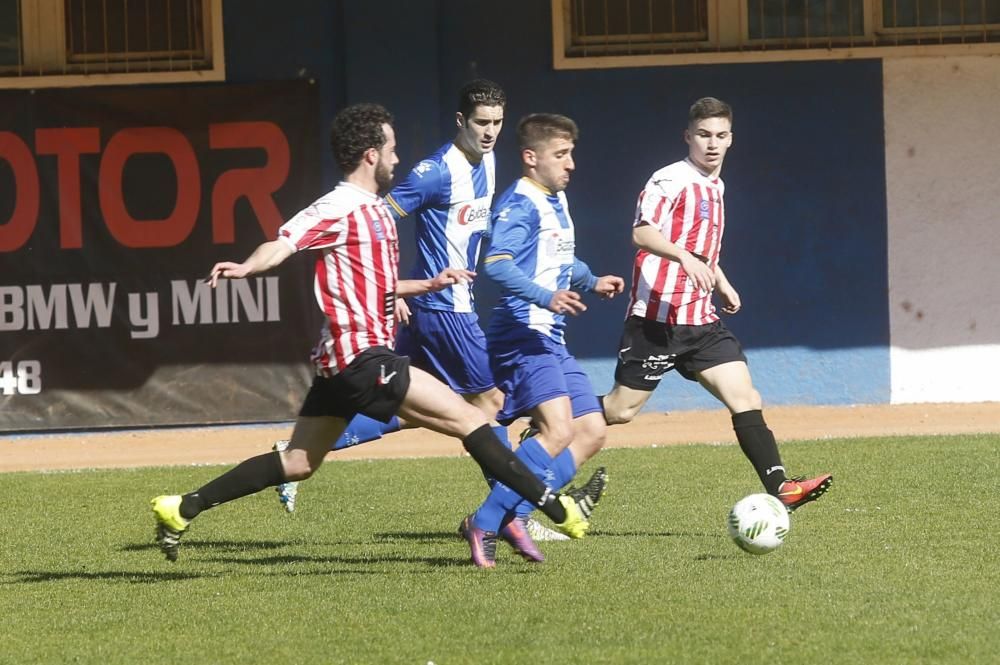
(114, 205)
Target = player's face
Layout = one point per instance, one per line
(387, 159)
(552, 163)
(478, 133)
(708, 141)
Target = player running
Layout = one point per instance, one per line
(531, 255)
(672, 323)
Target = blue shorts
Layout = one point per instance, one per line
(449, 345)
(534, 371)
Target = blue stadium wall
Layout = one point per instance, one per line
(806, 239)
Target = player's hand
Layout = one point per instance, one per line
(451, 276)
(699, 272)
(729, 297)
(228, 270)
(608, 286)
(402, 311)
(566, 302)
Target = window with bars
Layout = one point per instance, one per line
(629, 32)
(42, 42)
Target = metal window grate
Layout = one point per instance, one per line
(594, 28)
(636, 26)
(907, 22)
(787, 22)
(131, 31)
(51, 38)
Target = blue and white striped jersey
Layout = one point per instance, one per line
(533, 227)
(451, 199)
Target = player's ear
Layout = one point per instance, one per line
(529, 157)
(459, 120)
(371, 156)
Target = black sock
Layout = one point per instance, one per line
(757, 443)
(498, 461)
(245, 478)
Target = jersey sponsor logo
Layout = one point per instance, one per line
(378, 229)
(558, 247)
(469, 214)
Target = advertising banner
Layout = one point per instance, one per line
(114, 205)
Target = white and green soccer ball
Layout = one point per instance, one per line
(758, 523)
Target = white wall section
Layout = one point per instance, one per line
(942, 135)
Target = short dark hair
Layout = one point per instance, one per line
(709, 107)
(538, 128)
(355, 129)
(480, 92)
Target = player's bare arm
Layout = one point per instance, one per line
(650, 239)
(267, 255)
(728, 295)
(447, 277)
(608, 286)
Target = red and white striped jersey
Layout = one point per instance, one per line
(356, 271)
(687, 208)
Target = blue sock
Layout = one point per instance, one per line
(501, 433)
(363, 429)
(563, 469)
(502, 499)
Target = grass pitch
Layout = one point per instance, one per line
(896, 564)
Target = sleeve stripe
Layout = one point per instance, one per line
(498, 257)
(392, 202)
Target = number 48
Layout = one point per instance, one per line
(24, 379)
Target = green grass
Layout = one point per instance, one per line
(897, 564)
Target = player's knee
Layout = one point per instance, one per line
(495, 402)
(555, 436)
(589, 443)
(489, 402)
(466, 418)
(619, 415)
(298, 467)
(748, 401)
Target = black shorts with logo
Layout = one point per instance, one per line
(374, 384)
(649, 349)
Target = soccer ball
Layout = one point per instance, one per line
(758, 523)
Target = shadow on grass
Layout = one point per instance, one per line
(377, 562)
(129, 577)
(234, 545)
(718, 557)
(602, 533)
(419, 536)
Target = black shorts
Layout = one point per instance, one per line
(375, 384)
(649, 349)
